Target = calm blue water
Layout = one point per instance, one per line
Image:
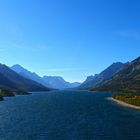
(67, 115)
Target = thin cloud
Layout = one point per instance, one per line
(33, 49)
(63, 69)
(130, 34)
(24, 47)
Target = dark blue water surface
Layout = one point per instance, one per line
(67, 115)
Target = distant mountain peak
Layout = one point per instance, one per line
(18, 68)
(136, 60)
(89, 78)
(55, 82)
(13, 80)
(92, 81)
(126, 80)
(16, 65)
(116, 64)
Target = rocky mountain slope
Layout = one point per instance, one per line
(126, 80)
(92, 81)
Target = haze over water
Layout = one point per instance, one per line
(67, 115)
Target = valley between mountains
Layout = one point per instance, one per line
(118, 77)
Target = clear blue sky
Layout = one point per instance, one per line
(70, 38)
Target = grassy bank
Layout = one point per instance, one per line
(132, 99)
(10, 93)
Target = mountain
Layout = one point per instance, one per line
(13, 81)
(92, 81)
(75, 84)
(59, 83)
(87, 83)
(126, 80)
(29, 75)
(6, 83)
(55, 82)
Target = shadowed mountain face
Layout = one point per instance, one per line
(11, 80)
(126, 80)
(55, 82)
(6, 83)
(29, 75)
(92, 81)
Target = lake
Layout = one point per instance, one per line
(67, 115)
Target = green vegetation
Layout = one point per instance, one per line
(10, 93)
(4, 93)
(133, 99)
(1, 97)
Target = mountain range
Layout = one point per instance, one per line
(126, 80)
(93, 81)
(117, 77)
(55, 82)
(11, 80)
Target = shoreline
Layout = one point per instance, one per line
(123, 103)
